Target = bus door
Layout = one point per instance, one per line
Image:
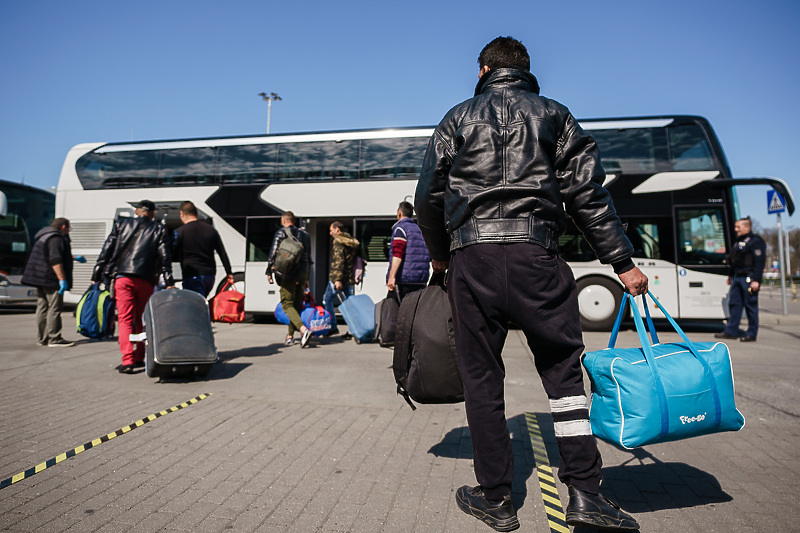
(260, 296)
(701, 262)
(375, 239)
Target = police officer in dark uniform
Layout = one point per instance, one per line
(746, 259)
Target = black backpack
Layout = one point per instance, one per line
(425, 365)
(386, 319)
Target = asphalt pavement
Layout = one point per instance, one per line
(281, 438)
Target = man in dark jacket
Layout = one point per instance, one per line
(747, 259)
(499, 170)
(194, 245)
(133, 256)
(410, 261)
(293, 284)
(49, 269)
(340, 276)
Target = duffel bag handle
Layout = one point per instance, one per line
(612, 341)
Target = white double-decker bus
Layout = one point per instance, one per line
(668, 176)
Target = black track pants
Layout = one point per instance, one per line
(490, 285)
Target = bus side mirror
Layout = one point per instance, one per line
(3, 204)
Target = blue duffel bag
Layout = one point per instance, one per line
(660, 392)
(317, 319)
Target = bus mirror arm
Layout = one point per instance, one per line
(776, 183)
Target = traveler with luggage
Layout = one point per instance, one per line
(133, 257)
(49, 269)
(499, 170)
(747, 259)
(340, 278)
(194, 244)
(289, 262)
(410, 261)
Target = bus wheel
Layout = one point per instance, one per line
(238, 283)
(598, 300)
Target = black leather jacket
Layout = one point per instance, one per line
(503, 166)
(146, 256)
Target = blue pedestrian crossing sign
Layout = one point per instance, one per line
(775, 202)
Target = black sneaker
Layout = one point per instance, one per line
(595, 510)
(500, 515)
(125, 369)
(724, 335)
(748, 338)
(60, 343)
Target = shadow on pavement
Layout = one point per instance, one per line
(253, 351)
(653, 485)
(457, 444)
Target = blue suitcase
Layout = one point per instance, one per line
(660, 392)
(359, 314)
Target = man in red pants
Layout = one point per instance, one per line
(133, 256)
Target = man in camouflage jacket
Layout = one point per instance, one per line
(340, 279)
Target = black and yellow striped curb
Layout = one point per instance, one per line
(547, 483)
(105, 438)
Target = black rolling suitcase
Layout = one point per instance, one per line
(179, 341)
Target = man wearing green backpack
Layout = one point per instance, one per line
(289, 263)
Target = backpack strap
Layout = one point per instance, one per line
(402, 344)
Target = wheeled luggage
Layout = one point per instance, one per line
(95, 313)
(227, 305)
(359, 314)
(386, 319)
(179, 341)
(660, 392)
(425, 365)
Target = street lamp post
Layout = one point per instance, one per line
(269, 98)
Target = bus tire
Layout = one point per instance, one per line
(599, 299)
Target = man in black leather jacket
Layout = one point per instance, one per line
(501, 173)
(133, 256)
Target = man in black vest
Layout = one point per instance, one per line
(49, 269)
(499, 171)
(747, 259)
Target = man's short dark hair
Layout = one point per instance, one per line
(188, 208)
(505, 52)
(146, 205)
(59, 223)
(406, 209)
(289, 216)
(338, 225)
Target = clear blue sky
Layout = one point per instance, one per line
(84, 71)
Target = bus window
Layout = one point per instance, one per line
(689, 149)
(701, 236)
(645, 239)
(253, 163)
(328, 159)
(374, 237)
(260, 232)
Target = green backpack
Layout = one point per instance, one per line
(288, 255)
